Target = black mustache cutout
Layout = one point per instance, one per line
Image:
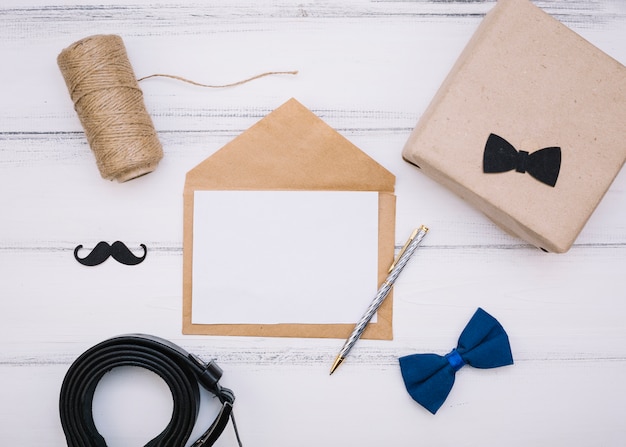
(118, 251)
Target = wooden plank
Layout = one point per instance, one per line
(369, 69)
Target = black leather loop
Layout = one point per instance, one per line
(180, 370)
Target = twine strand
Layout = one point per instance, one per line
(233, 84)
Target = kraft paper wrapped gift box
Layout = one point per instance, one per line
(529, 126)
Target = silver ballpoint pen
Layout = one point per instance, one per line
(394, 271)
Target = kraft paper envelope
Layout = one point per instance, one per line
(292, 149)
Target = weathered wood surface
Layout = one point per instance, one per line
(369, 69)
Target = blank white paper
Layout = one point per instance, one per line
(267, 257)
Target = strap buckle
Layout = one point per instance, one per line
(209, 376)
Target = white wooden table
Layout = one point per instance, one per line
(369, 69)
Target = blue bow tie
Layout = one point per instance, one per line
(429, 377)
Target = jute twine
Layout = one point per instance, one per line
(109, 103)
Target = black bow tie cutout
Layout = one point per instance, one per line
(501, 156)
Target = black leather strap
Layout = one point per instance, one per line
(180, 370)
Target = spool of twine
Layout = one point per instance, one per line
(110, 105)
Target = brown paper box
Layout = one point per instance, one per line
(292, 149)
(532, 81)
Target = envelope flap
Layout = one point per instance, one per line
(291, 148)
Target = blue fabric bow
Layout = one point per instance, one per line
(429, 377)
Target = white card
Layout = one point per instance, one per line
(266, 257)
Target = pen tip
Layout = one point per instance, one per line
(338, 361)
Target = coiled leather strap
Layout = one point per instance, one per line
(180, 370)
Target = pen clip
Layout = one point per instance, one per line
(395, 261)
